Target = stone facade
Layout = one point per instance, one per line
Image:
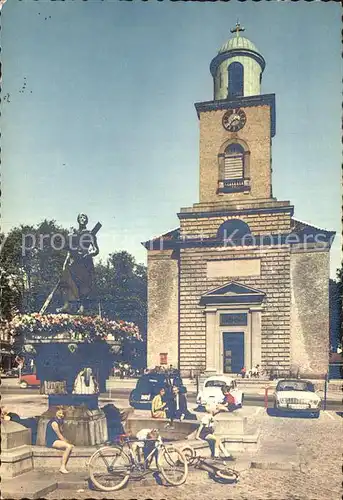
(310, 311)
(275, 268)
(163, 299)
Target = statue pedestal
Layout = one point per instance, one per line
(16, 453)
(90, 401)
(82, 426)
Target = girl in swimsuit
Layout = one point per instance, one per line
(55, 439)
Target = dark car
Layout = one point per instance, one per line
(12, 373)
(149, 385)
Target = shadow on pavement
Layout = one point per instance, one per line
(272, 412)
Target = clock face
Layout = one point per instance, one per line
(234, 119)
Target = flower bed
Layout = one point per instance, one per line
(54, 326)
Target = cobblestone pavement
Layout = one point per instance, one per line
(316, 444)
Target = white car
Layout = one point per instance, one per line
(211, 391)
(297, 395)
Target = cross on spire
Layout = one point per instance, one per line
(237, 28)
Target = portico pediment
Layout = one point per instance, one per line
(233, 292)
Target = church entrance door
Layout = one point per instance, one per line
(233, 359)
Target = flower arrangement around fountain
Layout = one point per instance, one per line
(59, 327)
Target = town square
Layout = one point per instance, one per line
(171, 277)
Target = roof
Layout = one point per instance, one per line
(301, 230)
(298, 226)
(173, 235)
(238, 42)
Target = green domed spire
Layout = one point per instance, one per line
(249, 63)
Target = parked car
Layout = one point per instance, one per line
(149, 385)
(297, 395)
(12, 373)
(211, 391)
(29, 380)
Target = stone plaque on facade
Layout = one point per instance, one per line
(233, 268)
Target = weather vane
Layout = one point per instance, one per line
(237, 28)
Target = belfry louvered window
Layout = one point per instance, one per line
(234, 162)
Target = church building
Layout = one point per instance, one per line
(241, 281)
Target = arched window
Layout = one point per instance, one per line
(235, 229)
(234, 162)
(236, 75)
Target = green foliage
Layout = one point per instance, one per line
(122, 289)
(35, 268)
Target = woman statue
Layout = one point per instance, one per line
(77, 277)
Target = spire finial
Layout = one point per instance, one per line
(237, 28)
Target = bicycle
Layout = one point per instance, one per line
(216, 467)
(111, 466)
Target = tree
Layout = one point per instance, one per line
(33, 256)
(121, 287)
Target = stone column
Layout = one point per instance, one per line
(256, 335)
(211, 340)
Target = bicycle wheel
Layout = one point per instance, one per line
(227, 474)
(189, 453)
(173, 465)
(109, 468)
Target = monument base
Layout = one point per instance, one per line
(16, 453)
(82, 426)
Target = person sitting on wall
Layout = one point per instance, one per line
(177, 406)
(205, 432)
(229, 402)
(158, 406)
(55, 439)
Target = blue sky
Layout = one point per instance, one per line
(106, 123)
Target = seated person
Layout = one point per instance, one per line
(146, 442)
(206, 432)
(158, 406)
(55, 439)
(229, 402)
(177, 406)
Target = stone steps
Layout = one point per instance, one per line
(32, 484)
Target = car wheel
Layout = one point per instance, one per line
(23, 384)
(315, 414)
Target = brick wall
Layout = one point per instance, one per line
(256, 133)
(264, 223)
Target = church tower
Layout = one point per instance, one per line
(236, 128)
(233, 285)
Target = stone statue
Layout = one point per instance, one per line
(85, 382)
(77, 278)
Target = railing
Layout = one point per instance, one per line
(233, 183)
